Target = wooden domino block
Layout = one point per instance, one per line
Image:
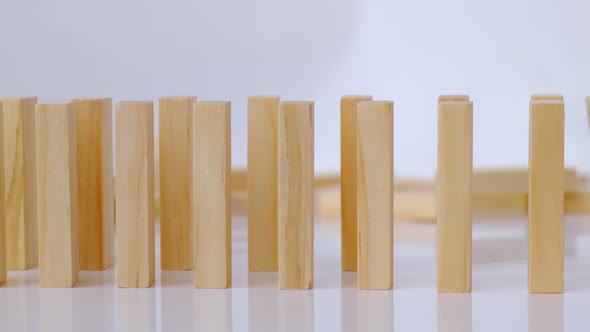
(295, 197)
(211, 194)
(174, 146)
(348, 180)
(2, 204)
(546, 164)
(96, 209)
(454, 195)
(444, 98)
(20, 181)
(134, 189)
(262, 183)
(374, 175)
(547, 97)
(57, 195)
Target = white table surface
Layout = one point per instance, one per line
(499, 302)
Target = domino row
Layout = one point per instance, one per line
(58, 203)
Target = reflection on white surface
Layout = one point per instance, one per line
(263, 302)
(375, 310)
(296, 310)
(545, 313)
(136, 309)
(56, 310)
(212, 310)
(454, 313)
(499, 302)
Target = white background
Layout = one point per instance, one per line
(499, 52)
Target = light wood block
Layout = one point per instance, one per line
(2, 204)
(96, 208)
(348, 180)
(57, 207)
(262, 183)
(454, 195)
(374, 175)
(20, 182)
(547, 97)
(175, 230)
(295, 197)
(546, 162)
(444, 98)
(211, 194)
(134, 189)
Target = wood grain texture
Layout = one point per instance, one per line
(295, 197)
(175, 152)
(454, 220)
(348, 180)
(3, 255)
(262, 183)
(96, 209)
(57, 207)
(20, 181)
(211, 194)
(134, 190)
(546, 163)
(374, 175)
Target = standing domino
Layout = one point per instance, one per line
(348, 179)
(546, 164)
(96, 205)
(211, 194)
(374, 175)
(20, 181)
(57, 208)
(295, 178)
(262, 183)
(453, 198)
(175, 152)
(134, 190)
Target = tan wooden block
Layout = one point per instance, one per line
(96, 209)
(262, 183)
(546, 196)
(57, 207)
(444, 98)
(547, 97)
(348, 181)
(175, 152)
(454, 195)
(134, 189)
(508, 181)
(211, 194)
(375, 194)
(295, 197)
(2, 204)
(20, 181)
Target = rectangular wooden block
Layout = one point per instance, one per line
(295, 198)
(134, 190)
(96, 208)
(546, 163)
(454, 196)
(348, 180)
(20, 181)
(57, 207)
(262, 183)
(175, 152)
(2, 204)
(374, 175)
(588, 109)
(211, 194)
